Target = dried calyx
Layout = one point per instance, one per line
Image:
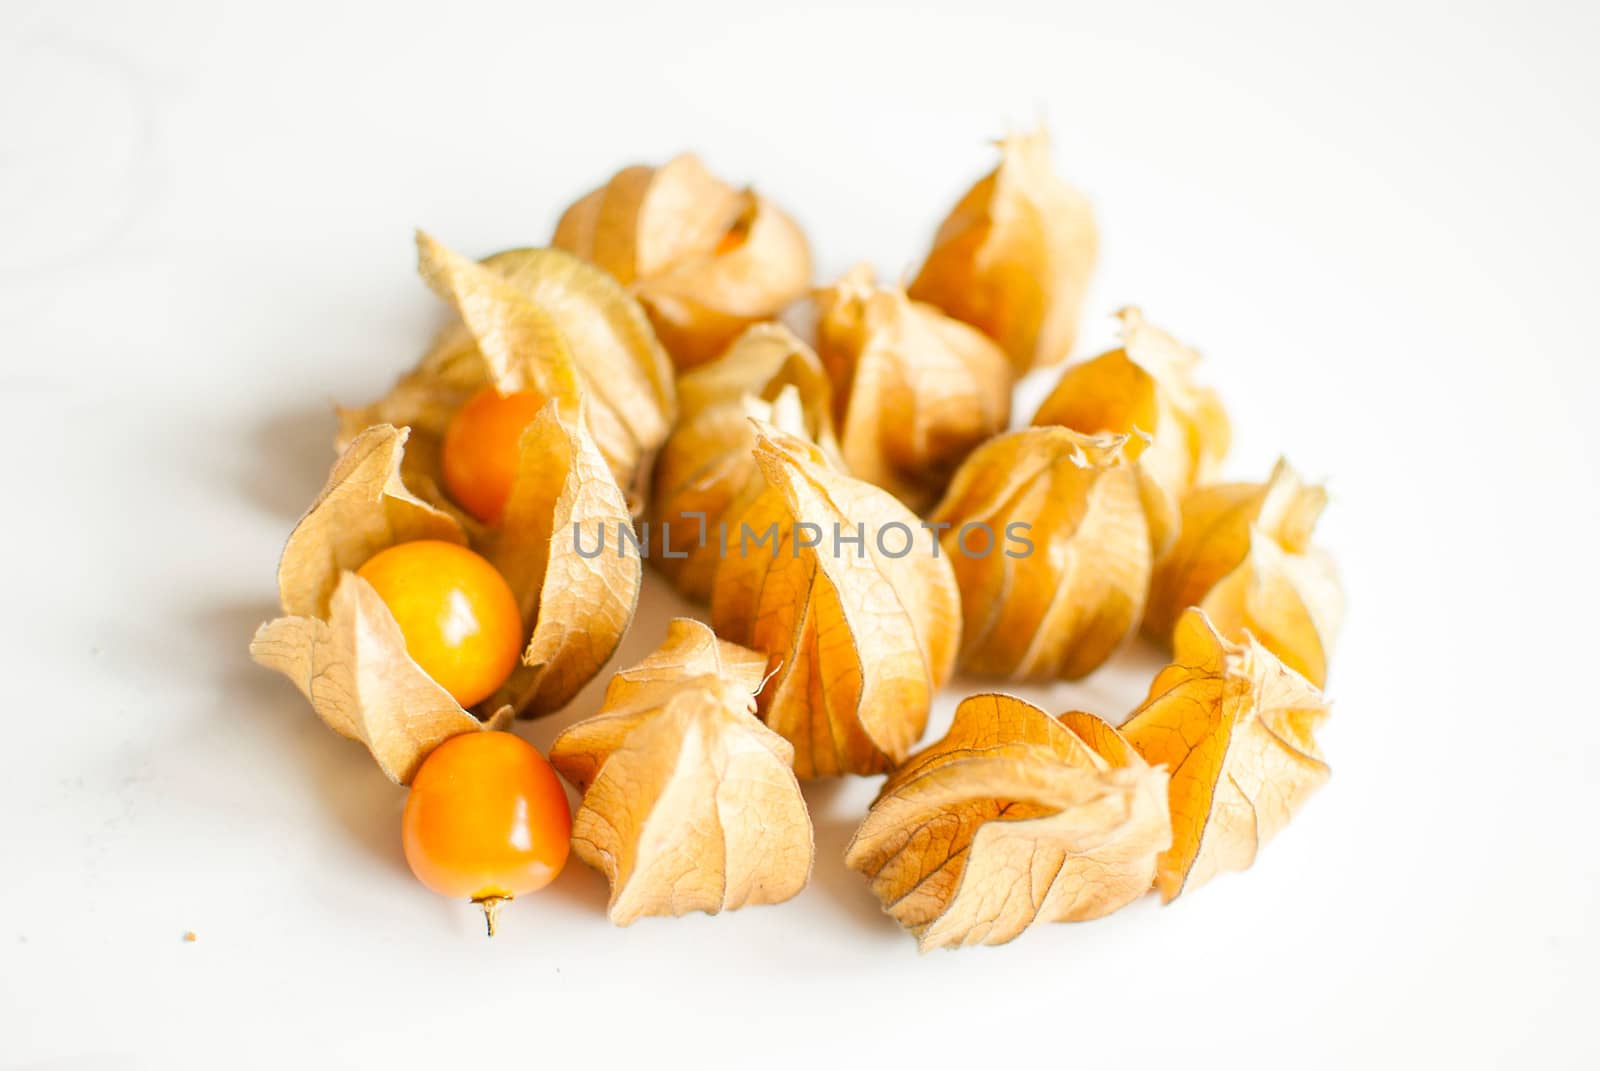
(1051, 534)
(1235, 729)
(916, 391)
(534, 320)
(705, 259)
(1014, 818)
(707, 473)
(341, 645)
(846, 593)
(1014, 256)
(1145, 389)
(689, 802)
(1244, 556)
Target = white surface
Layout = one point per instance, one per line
(1378, 222)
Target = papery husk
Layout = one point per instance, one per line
(578, 607)
(705, 259)
(1014, 256)
(342, 647)
(706, 474)
(532, 319)
(916, 391)
(363, 508)
(1234, 727)
(339, 643)
(353, 667)
(1014, 818)
(690, 652)
(689, 802)
(1145, 390)
(1244, 556)
(859, 640)
(1095, 520)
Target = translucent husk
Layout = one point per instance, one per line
(1145, 390)
(1234, 728)
(1014, 818)
(532, 319)
(705, 259)
(689, 802)
(1014, 256)
(341, 646)
(916, 391)
(707, 475)
(859, 640)
(1058, 580)
(1244, 556)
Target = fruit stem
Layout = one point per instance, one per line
(491, 910)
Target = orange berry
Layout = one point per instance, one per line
(481, 448)
(487, 819)
(459, 618)
(730, 241)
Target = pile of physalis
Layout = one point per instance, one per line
(862, 515)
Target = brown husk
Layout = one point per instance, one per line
(1145, 390)
(532, 319)
(859, 640)
(1234, 728)
(1244, 556)
(1094, 520)
(690, 803)
(916, 391)
(705, 260)
(343, 649)
(706, 474)
(1014, 256)
(1014, 818)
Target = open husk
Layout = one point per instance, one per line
(343, 649)
(1014, 256)
(705, 259)
(916, 391)
(689, 802)
(1234, 728)
(577, 603)
(1014, 818)
(706, 474)
(532, 319)
(1244, 556)
(1145, 390)
(859, 638)
(1051, 534)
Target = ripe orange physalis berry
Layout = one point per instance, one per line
(481, 448)
(460, 621)
(487, 819)
(732, 238)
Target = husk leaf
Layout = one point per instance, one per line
(353, 667)
(577, 606)
(690, 803)
(533, 319)
(704, 259)
(338, 642)
(364, 507)
(1244, 556)
(859, 640)
(1234, 728)
(1059, 608)
(1014, 256)
(1145, 390)
(1014, 818)
(706, 474)
(341, 646)
(916, 391)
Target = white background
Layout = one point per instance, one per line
(1377, 220)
